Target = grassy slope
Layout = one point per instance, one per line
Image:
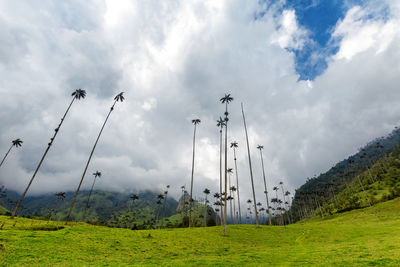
(3, 210)
(352, 238)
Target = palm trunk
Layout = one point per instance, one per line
(165, 201)
(220, 174)
(205, 215)
(237, 185)
(41, 161)
(88, 199)
(191, 183)
(251, 170)
(6, 154)
(87, 164)
(226, 163)
(284, 204)
(234, 207)
(230, 198)
(266, 191)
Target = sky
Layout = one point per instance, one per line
(318, 80)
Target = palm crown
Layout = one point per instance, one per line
(134, 197)
(260, 147)
(97, 174)
(196, 121)
(120, 97)
(60, 195)
(220, 122)
(17, 142)
(206, 191)
(226, 99)
(234, 144)
(79, 93)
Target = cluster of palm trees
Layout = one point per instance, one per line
(228, 191)
(76, 95)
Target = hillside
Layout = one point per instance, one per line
(365, 178)
(352, 238)
(4, 211)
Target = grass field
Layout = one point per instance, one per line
(354, 238)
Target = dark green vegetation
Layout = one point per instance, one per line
(111, 209)
(352, 238)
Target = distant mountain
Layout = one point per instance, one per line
(113, 209)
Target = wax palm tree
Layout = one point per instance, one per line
(165, 201)
(220, 123)
(118, 98)
(60, 197)
(184, 203)
(225, 100)
(206, 192)
(77, 94)
(249, 208)
(195, 122)
(96, 174)
(233, 190)
(251, 169)
(133, 197)
(17, 143)
(160, 197)
(234, 145)
(260, 147)
(287, 194)
(262, 214)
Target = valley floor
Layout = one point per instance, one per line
(354, 238)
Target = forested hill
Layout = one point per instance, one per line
(367, 176)
(104, 206)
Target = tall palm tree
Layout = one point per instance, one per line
(260, 147)
(77, 94)
(287, 193)
(225, 100)
(234, 145)
(165, 201)
(235, 215)
(17, 143)
(251, 169)
(160, 197)
(96, 174)
(133, 197)
(195, 122)
(249, 208)
(284, 202)
(120, 97)
(220, 124)
(60, 197)
(206, 192)
(184, 203)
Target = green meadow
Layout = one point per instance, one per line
(353, 238)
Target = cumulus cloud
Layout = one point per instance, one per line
(174, 60)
